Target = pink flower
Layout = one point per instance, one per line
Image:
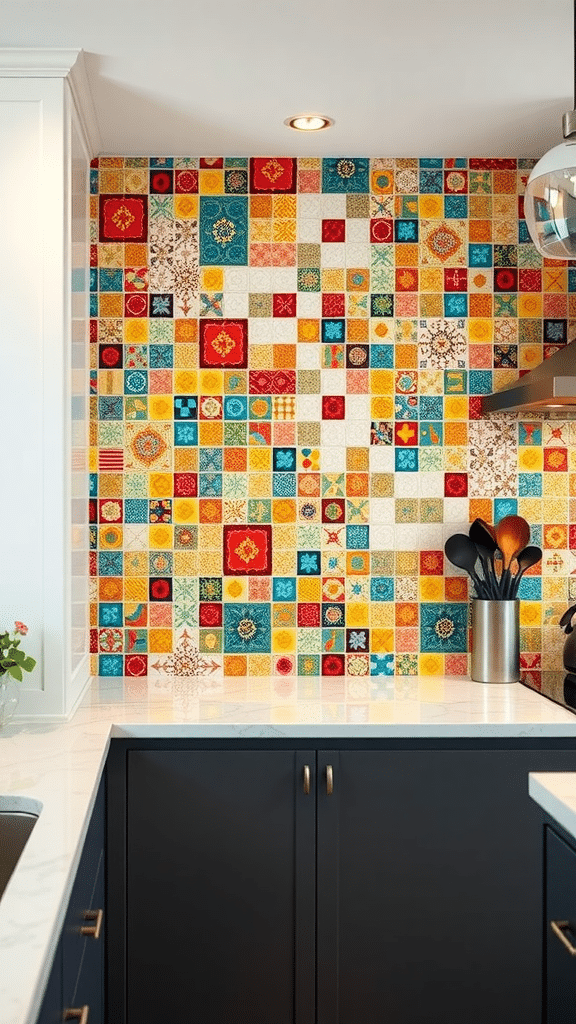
(21, 628)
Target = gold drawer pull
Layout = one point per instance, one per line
(329, 780)
(558, 929)
(307, 779)
(93, 930)
(80, 1013)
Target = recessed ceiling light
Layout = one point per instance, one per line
(309, 122)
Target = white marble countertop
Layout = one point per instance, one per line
(60, 766)
(556, 794)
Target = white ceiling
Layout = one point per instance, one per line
(400, 77)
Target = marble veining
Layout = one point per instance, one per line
(59, 766)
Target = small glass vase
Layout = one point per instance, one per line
(8, 700)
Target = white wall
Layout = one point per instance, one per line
(44, 168)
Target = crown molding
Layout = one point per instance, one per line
(49, 63)
(56, 63)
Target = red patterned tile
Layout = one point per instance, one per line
(381, 230)
(210, 613)
(272, 382)
(223, 343)
(455, 485)
(123, 218)
(284, 304)
(431, 563)
(333, 230)
(247, 550)
(333, 407)
(272, 174)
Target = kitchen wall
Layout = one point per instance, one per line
(287, 364)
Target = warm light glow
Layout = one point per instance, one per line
(309, 122)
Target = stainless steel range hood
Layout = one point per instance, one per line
(547, 388)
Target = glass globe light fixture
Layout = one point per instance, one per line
(550, 197)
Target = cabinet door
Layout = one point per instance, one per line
(560, 908)
(429, 887)
(51, 1009)
(220, 887)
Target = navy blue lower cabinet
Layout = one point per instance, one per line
(391, 881)
(560, 930)
(76, 986)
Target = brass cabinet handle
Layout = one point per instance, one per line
(329, 780)
(306, 774)
(93, 930)
(80, 1013)
(558, 929)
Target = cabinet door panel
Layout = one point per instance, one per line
(560, 906)
(220, 890)
(438, 875)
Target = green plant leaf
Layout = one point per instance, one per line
(18, 656)
(16, 672)
(28, 664)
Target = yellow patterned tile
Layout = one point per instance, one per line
(283, 563)
(110, 537)
(160, 407)
(555, 485)
(259, 665)
(185, 207)
(136, 330)
(211, 182)
(136, 181)
(309, 589)
(431, 588)
(530, 459)
(480, 330)
(186, 563)
(382, 640)
(554, 279)
(235, 589)
(455, 407)
(531, 509)
(212, 279)
(382, 613)
(407, 563)
(283, 230)
(430, 665)
(136, 587)
(382, 408)
(260, 459)
(160, 535)
(210, 563)
(160, 485)
(210, 433)
(530, 613)
(382, 382)
(159, 641)
(431, 305)
(529, 305)
(283, 641)
(185, 356)
(456, 433)
(431, 207)
(261, 230)
(333, 280)
(110, 485)
(111, 304)
(211, 382)
(357, 613)
(431, 382)
(261, 357)
(185, 510)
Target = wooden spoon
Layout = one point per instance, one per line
(512, 536)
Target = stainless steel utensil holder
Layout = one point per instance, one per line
(495, 654)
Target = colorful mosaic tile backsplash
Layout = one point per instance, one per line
(288, 359)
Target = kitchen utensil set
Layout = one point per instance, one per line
(510, 538)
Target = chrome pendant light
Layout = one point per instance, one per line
(550, 199)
